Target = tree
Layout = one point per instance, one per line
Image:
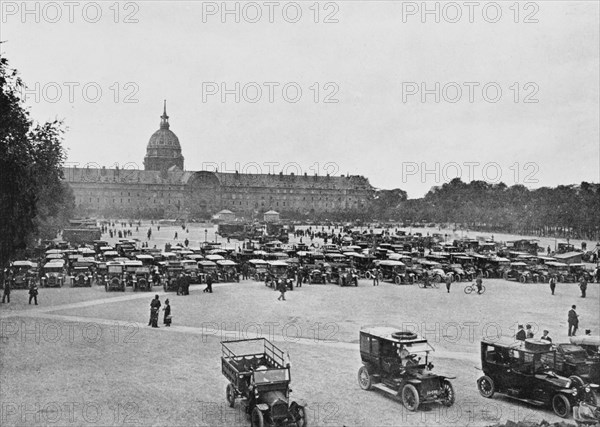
(33, 198)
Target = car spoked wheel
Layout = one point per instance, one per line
(448, 391)
(301, 417)
(364, 378)
(486, 386)
(410, 397)
(257, 418)
(230, 395)
(561, 405)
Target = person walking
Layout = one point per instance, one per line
(6, 293)
(167, 317)
(154, 308)
(376, 276)
(552, 284)
(573, 319)
(479, 283)
(209, 282)
(299, 278)
(448, 282)
(282, 289)
(583, 286)
(33, 293)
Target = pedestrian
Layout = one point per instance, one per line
(299, 278)
(479, 283)
(521, 335)
(209, 282)
(426, 283)
(583, 286)
(528, 331)
(552, 284)
(573, 320)
(167, 317)
(546, 337)
(154, 308)
(33, 293)
(448, 282)
(376, 276)
(245, 271)
(282, 289)
(179, 282)
(7, 284)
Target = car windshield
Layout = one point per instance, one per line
(573, 350)
(270, 376)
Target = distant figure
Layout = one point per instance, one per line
(376, 276)
(167, 317)
(521, 334)
(7, 283)
(154, 308)
(583, 286)
(552, 284)
(282, 289)
(209, 282)
(573, 320)
(33, 293)
(448, 282)
(546, 337)
(175, 236)
(479, 283)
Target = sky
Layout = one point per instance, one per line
(407, 94)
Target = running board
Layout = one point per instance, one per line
(385, 388)
(530, 401)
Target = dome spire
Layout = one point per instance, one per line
(164, 119)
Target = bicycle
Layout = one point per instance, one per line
(473, 288)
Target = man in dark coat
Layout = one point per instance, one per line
(552, 284)
(583, 286)
(154, 308)
(7, 283)
(282, 286)
(209, 282)
(573, 320)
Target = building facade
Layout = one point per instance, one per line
(165, 190)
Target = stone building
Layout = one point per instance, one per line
(165, 190)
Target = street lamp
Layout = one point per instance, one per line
(205, 233)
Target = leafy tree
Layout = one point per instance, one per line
(33, 199)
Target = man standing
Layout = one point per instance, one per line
(521, 334)
(154, 308)
(33, 293)
(552, 283)
(448, 282)
(583, 286)
(546, 337)
(573, 320)
(7, 284)
(299, 278)
(376, 276)
(282, 289)
(209, 282)
(479, 283)
(528, 332)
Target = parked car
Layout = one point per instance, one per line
(227, 271)
(526, 370)
(518, 271)
(53, 274)
(276, 272)
(395, 272)
(141, 279)
(572, 359)
(24, 272)
(257, 269)
(114, 279)
(82, 273)
(397, 363)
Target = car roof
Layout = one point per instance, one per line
(514, 344)
(386, 332)
(586, 340)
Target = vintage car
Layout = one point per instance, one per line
(395, 272)
(227, 271)
(115, 276)
(434, 270)
(207, 268)
(276, 272)
(540, 273)
(561, 271)
(348, 277)
(317, 274)
(577, 271)
(82, 273)
(572, 359)
(518, 271)
(24, 272)
(494, 267)
(590, 343)
(142, 280)
(53, 274)
(190, 267)
(258, 373)
(257, 269)
(456, 272)
(467, 265)
(130, 267)
(173, 270)
(526, 370)
(397, 362)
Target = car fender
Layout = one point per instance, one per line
(414, 381)
(262, 407)
(444, 377)
(301, 403)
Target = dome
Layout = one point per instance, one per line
(163, 150)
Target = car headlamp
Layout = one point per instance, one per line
(574, 391)
(587, 389)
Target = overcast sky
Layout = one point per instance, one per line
(374, 61)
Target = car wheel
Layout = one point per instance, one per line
(522, 279)
(505, 275)
(486, 386)
(449, 395)
(301, 421)
(410, 397)
(437, 278)
(368, 275)
(485, 274)
(257, 418)
(364, 378)
(340, 281)
(230, 395)
(561, 405)
(397, 280)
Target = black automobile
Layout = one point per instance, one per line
(573, 359)
(526, 370)
(397, 362)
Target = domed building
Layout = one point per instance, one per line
(163, 150)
